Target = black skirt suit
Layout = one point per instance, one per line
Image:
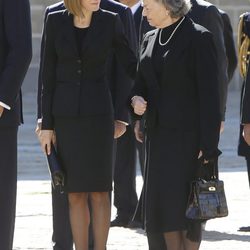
(179, 82)
(76, 99)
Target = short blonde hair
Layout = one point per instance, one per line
(74, 7)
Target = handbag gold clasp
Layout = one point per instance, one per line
(211, 188)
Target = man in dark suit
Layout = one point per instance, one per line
(62, 236)
(125, 197)
(15, 57)
(207, 15)
(229, 45)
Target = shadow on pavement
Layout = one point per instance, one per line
(218, 236)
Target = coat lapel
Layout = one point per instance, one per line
(147, 58)
(68, 30)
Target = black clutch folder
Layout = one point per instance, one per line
(55, 169)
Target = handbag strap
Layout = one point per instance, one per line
(206, 171)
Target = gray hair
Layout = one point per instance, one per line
(177, 8)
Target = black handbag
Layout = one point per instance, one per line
(55, 169)
(207, 199)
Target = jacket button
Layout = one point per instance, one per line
(79, 60)
(79, 71)
(78, 83)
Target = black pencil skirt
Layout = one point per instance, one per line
(85, 148)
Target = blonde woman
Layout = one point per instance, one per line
(77, 104)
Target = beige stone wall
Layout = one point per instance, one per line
(233, 7)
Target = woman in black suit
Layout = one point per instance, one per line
(77, 104)
(177, 85)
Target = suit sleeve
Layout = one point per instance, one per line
(17, 24)
(123, 50)
(208, 95)
(230, 46)
(48, 74)
(39, 88)
(214, 23)
(124, 44)
(245, 114)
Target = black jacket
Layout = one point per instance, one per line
(119, 81)
(186, 98)
(15, 56)
(76, 85)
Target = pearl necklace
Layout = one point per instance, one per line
(163, 44)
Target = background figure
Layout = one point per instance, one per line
(120, 85)
(15, 57)
(229, 45)
(180, 93)
(125, 197)
(244, 51)
(207, 15)
(77, 104)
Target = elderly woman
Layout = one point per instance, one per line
(177, 85)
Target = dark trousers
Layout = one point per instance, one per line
(8, 184)
(125, 197)
(156, 241)
(248, 167)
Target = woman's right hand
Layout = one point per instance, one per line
(46, 138)
(139, 105)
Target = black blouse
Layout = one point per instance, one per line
(80, 34)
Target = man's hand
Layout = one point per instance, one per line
(1, 110)
(139, 105)
(120, 129)
(138, 132)
(222, 127)
(246, 133)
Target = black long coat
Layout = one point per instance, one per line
(76, 85)
(183, 117)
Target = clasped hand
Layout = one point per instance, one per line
(139, 105)
(46, 137)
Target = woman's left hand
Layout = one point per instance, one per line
(200, 155)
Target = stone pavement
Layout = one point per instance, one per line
(33, 221)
